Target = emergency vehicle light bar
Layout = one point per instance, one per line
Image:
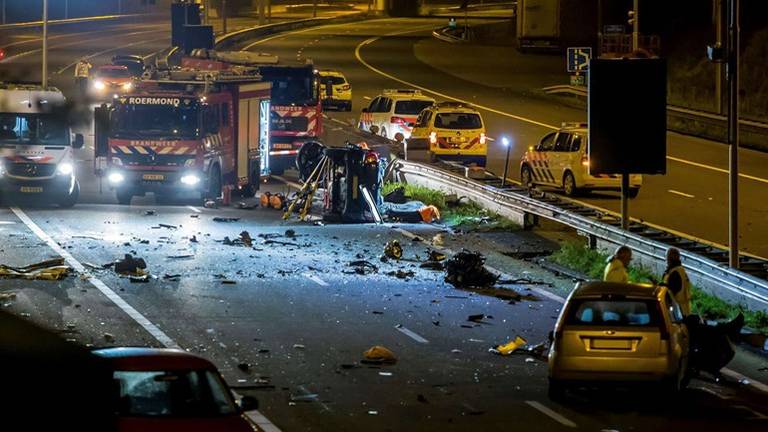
(402, 91)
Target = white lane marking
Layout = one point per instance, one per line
(672, 191)
(7, 222)
(96, 282)
(499, 112)
(411, 334)
(145, 323)
(315, 279)
(262, 422)
(714, 393)
(280, 35)
(551, 414)
(720, 170)
(550, 295)
(367, 97)
(194, 209)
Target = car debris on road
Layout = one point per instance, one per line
(378, 354)
(53, 269)
(467, 269)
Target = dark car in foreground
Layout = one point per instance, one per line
(171, 390)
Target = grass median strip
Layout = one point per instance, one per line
(591, 262)
(456, 212)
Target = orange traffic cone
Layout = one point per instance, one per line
(264, 199)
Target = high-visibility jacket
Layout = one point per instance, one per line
(683, 296)
(615, 272)
(82, 69)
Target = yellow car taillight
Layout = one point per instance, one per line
(482, 138)
(433, 137)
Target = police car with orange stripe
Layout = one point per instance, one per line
(561, 160)
(451, 131)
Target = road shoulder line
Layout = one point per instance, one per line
(538, 406)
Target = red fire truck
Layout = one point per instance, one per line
(297, 112)
(186, 131)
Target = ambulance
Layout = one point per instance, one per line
(37, 145)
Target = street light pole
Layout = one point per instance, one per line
(732, 70)
(505, 141)
(224, 16)
(636, 26)
(45, 44)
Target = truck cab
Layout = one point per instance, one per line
(36, 145)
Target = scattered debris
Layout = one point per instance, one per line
(401, 274)
(434, 255)
(290, 233)
(245, 237)
(246, 206)
(7, 296)
(438, 240)
(180, 256)
(477, 318)
(167, 226)
(109, 338)
(523, 281)
(139, 279)
(467, 269)
(393, 250)
(283, 243)
(378, 354)
(53, 269)
(377, 312)
(421, 398)
(130, 265)
(509, 347)
(362, 267)
(195, 216)
(530, 360)
(245, 367)
(527, 254)
(299, 346)
(429, 214)
(149, 213)
(228, 282)
(210, 204)
(432, 265)
(172, 277)
(225, 219)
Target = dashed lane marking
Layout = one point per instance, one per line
(712, 168)
(551, 414)
(194, 209)
(672, 191)
(411, 334)
(140, 319)
(96, 282)
(315, 279)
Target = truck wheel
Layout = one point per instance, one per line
(214, 183)
(569, 185)
(124, 196)
(633, 192)
(71, 199)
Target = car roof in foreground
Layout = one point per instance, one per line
(615, 289)
(151, 359)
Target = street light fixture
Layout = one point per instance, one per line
(505, 141)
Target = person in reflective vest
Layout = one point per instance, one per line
(82, 72)
(676, 280)
(616, 268)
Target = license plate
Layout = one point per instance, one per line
(153, 177)
(282, 146)
(31, 189)
(612, 344)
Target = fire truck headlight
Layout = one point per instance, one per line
(65, 168)
(127, 86)
(190, 179)
(99, 85)
(115, 178)
(190, 162)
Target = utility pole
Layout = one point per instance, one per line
(119, 7)
(45, 44)
(314, 8)
(269, 11)
(635, 26)
(66, 9)
(732, 75)
(261, 12)
(718, 15)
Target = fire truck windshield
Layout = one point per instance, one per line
(157, 121)
(291, 86)
(45, 129)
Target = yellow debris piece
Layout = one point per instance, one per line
(510, 347)
(53, 269)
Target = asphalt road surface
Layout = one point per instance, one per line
(401, 53)
(297, 313)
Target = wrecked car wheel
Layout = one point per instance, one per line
(214, 183)
(71, 199)
(556, 390)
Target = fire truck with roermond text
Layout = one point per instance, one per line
(296, 109)
(185, 131)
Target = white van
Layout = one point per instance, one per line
(36, 145)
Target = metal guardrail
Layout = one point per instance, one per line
(703, 261)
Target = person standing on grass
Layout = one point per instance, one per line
(617, 265)
(676, 280)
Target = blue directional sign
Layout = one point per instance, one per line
(578, 59)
